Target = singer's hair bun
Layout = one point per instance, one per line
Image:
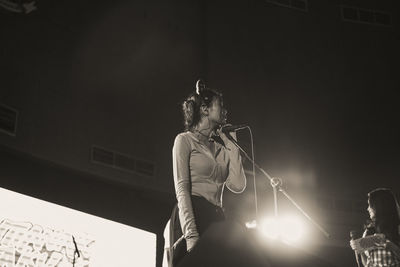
(200, 86)
(198, 90)
(191, 105)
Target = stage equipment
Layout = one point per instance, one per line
(287, 228)
(276, 184)
(19, 6)
(353, 235)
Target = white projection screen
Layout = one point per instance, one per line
(36, 233)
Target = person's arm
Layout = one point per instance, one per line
(236, 181)
(364, 259)
(180, 159)
(355, 245)
(395, 249)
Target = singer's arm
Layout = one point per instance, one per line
(359, 251)
(236, 181)
(364, 259)
(180, 158)
(395, 249)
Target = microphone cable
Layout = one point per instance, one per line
(254, 172)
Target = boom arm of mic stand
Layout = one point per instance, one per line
(304, 213)
(281, 190)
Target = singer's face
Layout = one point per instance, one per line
(217, 112)
(371, 211)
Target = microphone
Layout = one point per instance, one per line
(353, 236)
(233, 128)
(226, 129)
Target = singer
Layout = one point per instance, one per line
(202, 168)
(384, 215)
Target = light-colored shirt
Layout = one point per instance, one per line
(202, 172)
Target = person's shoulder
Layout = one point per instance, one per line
(183, 137)
(185, 134)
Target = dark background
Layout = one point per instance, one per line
(319, 93)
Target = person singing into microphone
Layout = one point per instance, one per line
(384, 215)
(203, 168)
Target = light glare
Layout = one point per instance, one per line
(288, 228)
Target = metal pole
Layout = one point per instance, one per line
(278, 183)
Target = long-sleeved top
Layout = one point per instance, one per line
(200, 172)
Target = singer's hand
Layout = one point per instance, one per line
(190, 243)
(353, 245)
(227, 140)
(356, 246)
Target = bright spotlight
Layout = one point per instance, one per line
(251, 224)
(270, 228)
(289, 228)
(292, 229)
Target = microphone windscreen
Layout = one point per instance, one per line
(353, 234)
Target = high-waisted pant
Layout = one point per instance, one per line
(205, 214)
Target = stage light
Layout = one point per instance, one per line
(270, 228)
(292, 229)
(251, 224)
(288, 229)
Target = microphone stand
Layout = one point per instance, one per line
(276, 184)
